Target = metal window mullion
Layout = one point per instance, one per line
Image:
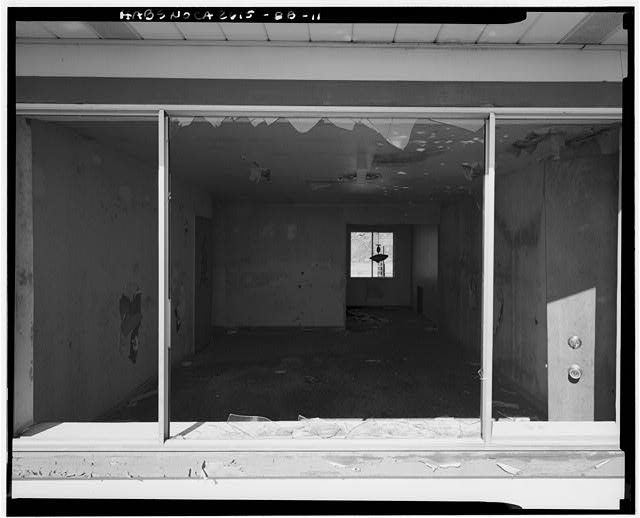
(488, 212)
(619, 281)
(164, 302)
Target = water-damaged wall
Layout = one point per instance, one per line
(460, 274)
(23, 343)
(279, 265)
(187, 202)
(425, 270)
(555, 237)
(95, 274)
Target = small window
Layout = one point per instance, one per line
(372, 254)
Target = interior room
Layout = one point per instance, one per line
(323, 268)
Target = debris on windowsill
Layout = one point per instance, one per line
(445, 465)
(239, 418)
(320, 427)
(429, 465)
(441, 465)
(509, 469)
(600, 464)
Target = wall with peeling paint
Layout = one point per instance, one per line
(460, 274)
(95, 274)
(187, 202)
(394, 291)
(424, 269)
(286, 265)
(23, 344)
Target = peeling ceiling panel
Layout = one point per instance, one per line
(287, 31)
(71, 30)
(114, 30)
(459, 33)
(594, 28)
(619, 37)
(331, 31)
(417, 32)
(201, 31)
(551, 27)
(507, 32)
(244, 31)
(157, 30)
(32, 30)
(374, 32)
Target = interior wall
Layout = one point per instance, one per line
(278, 266)
(460, 274)
(581, 205)
(393, 291)
(95, 274)
(187, 202)
(286, 265)
(424, 269)
(556, 232)
(23, 342)
(520, 284)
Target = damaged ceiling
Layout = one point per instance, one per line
(344, 160)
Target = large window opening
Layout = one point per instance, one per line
(86, 315)
(273, 316)
(555, 291)
(325, 276)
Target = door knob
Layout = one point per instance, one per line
(575, 373)
(574, 342)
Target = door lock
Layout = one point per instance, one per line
(574, 342)
(575, 373)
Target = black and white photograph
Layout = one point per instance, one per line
(332, 257)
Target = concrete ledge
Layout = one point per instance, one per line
(388, 464)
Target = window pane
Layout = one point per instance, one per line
(87, 236)
(383, 244)
(360, 254)
(555, 271)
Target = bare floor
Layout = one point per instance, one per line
(387, 363)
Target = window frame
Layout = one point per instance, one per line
(537, 435)
(380, 229)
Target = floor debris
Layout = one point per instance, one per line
(504, 404)
(134, 401)
(186, 363)
(311, 379)
(281, 371)
(509, 469)
(232, 331)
